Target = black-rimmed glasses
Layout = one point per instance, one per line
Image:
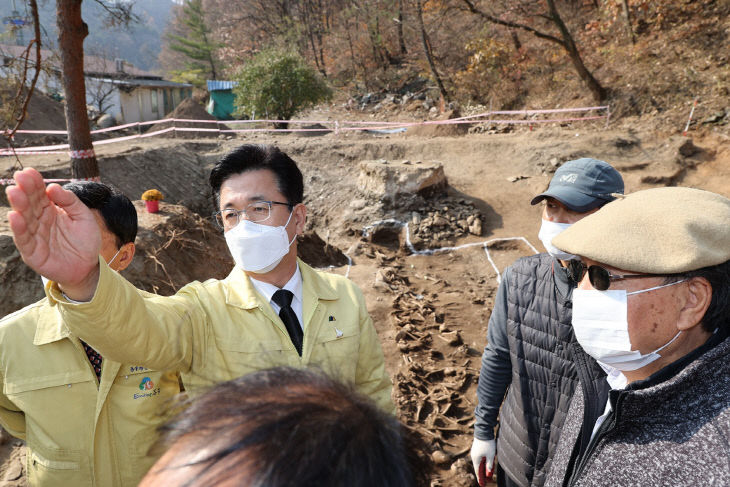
(600, 277)
(256, 212)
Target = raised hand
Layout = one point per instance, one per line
(55, 233)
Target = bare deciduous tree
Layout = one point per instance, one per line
(19, 106)
(550, 14)
(428, 52)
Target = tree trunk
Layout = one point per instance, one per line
(598, 91)
(71, 33)
(627, 19)
(353, 60)
(401, 38)
(210, 59)
(310, 34)
(320, 47)
(515, 39)
(382, 48)
(427, 51)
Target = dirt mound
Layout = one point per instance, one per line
(44, 113)
(180, 171)
(440, 130)
(21, 286)
(175, 247)
(318, 253)
(189, 109)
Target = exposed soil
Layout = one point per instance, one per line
(431, 311)
(44, 113)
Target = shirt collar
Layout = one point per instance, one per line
(615, 378)
(562, 282)
(50, 327)
(294, 285)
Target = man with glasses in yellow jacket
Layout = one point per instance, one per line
(272, 309)
(87, 419)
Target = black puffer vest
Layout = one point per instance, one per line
(543, 374)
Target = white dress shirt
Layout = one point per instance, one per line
(617, 380)
(294, 285)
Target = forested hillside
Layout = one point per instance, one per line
(644, 57)
(139, 43)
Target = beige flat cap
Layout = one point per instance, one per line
(655, 231)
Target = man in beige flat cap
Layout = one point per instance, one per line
(653, 308)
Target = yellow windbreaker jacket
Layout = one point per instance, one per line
(79, 431)
(221, 329)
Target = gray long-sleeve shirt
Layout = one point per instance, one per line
(496, 372)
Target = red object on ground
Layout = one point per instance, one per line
(153, 206)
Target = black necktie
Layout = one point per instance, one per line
(94, 358)
(283, 298)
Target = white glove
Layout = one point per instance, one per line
(483, 449)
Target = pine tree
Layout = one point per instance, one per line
(196, 45)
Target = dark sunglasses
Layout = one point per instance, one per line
(600, 278)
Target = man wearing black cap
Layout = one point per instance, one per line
(530, 350)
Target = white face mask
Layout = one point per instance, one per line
(45, 281)
(258, 248)
(600, 323)
(548, 231)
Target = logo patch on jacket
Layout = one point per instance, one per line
(146, 384)
(149, 387)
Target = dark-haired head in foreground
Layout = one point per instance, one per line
(285, 426)
(116, 217)
(115, 209)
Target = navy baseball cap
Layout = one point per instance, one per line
(583, 184)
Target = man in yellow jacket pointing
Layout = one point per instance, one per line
(87, 419)
(271, 310)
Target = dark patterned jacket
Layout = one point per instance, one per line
(671, 429)
(530, 356)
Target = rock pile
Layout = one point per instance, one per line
(412, 194)
(440, 130)
(442, 221)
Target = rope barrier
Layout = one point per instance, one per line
(390, 221)
(8, 182)
(337, 126)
